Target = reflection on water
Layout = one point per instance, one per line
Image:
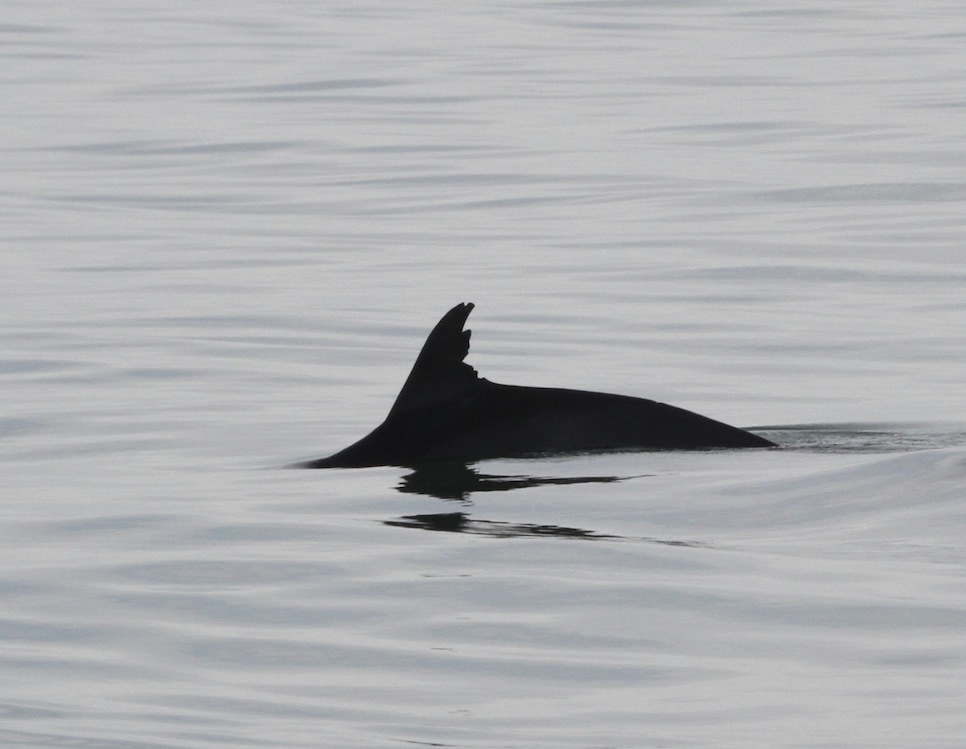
(461, 522)
(458, 481)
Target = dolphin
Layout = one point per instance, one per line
(447, 412)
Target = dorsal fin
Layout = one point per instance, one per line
(439, 371)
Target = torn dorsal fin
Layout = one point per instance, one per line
(439, 370)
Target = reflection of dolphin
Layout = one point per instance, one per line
(445, 411)
(460, 522)
(450, 480)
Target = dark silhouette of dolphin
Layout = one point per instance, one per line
(447, 412)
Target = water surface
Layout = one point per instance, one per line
(226, 232)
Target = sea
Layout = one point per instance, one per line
(225, 232)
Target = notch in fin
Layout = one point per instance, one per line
(439, 368)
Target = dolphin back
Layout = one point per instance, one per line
(446, 411)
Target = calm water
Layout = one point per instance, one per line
(226, 231)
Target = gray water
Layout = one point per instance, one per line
(226, 231)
